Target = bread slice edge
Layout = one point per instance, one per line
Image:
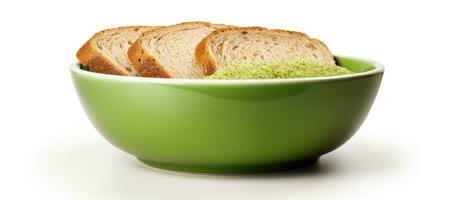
(146, 64)
(96, 60)
(206, 59)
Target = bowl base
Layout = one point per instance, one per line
(232, 169)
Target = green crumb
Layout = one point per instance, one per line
(279, 70)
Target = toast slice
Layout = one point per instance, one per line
(168, 52)
(250, 45)
(106, 51)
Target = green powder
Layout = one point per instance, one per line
(294, 69)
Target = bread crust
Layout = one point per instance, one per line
(96, 60)
(207, 60)
(313, 40)
(323, 45)
(145, 63)
(204, 56)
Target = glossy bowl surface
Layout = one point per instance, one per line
(229, 126)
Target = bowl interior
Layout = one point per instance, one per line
(356, 65)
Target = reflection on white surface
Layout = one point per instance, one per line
(94, 168)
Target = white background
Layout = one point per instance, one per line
(406, 149)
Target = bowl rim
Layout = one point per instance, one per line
(379, 68)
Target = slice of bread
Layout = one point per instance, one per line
(106, 51)
(168, 52)
(248, 45)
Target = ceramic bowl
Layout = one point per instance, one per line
(229, 126)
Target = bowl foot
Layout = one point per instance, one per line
(231, 169)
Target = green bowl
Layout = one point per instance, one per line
(229, 126)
